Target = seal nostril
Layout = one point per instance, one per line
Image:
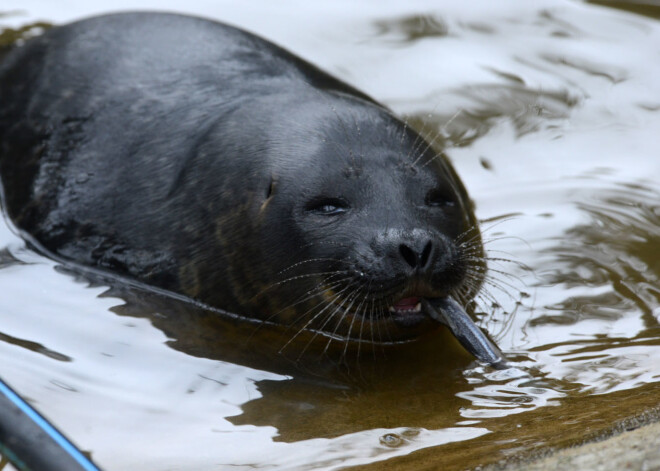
(425, 254)
(408, 255)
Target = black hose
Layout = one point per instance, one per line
(31, 443)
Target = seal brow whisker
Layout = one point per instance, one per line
(404, 132)
(420, 139)
(340, 120)
(416, 145)
(439, 133)
(429, 146)
(360, 143)
(338, 149)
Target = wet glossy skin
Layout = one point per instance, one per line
(203, 160)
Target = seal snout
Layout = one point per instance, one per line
(408, 253)
(416, 259)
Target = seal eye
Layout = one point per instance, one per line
(439, 198)
(326, 206)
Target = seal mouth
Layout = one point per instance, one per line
(407, 312)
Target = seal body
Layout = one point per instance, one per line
(204, 160)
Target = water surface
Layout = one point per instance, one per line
(550, 111)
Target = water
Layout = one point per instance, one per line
(551, 110)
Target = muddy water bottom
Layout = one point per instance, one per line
(550, 112)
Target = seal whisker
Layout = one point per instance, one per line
(328, 316)
(333, 243)
(381, 309)
(308, 275)
(373, 315)
(319, 289)
(328, 283)
(477, 268)
(362, 320)
(473, 248)
(499, 238)
(520, 264)
(484, 296)
(495, 222)
(499, 285)
(355, 315)
(350, 298)
(325, 306)
(310, 260)
(473, 232)
(404, 131)
(503, 282)
(296, 278)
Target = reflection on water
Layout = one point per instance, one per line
(549, 111)
(411, 28)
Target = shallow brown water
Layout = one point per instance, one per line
(551, 112)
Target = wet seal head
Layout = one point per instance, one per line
(237, 175)
(369, 234)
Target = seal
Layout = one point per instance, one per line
(203, 160)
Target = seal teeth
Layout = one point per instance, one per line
(406, 308)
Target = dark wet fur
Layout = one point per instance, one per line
(190, 155)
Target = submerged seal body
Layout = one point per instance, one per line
(201, 159)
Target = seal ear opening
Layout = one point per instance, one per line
(270, 192)
(271, 187)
